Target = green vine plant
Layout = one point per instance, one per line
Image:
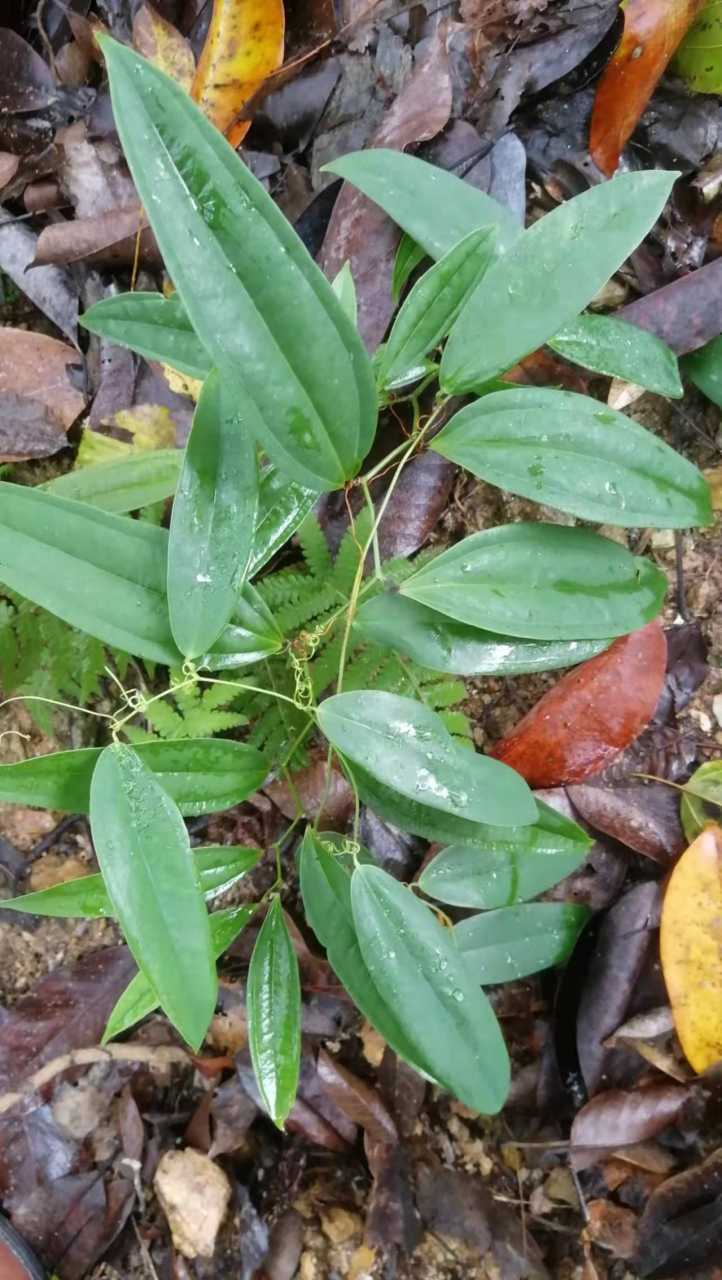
(366, 659)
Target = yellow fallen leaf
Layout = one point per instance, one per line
(182, 383)
(691, 948)
(163, 45)
(95, 447)
(243, 47)
(714, 480)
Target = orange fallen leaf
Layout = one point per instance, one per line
(163, 45)
(691, 948)
(243, 47)
(652, 31)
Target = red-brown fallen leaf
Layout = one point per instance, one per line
(357, 1099)
(359, 232)
(592, 714)
(652, 31)
(612, 1227)
(621, 1118)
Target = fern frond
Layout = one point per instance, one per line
(316, 551)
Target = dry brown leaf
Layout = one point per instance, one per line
(37, 400)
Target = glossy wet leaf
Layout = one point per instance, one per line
(502, 873)
(142, 846)
(442, 644)
(620, 350)
(345, 290)
(219, 868)
(407, 746)
(419, 972)
(446, 828)
(409, 256)
(202, 775)
(125, 484)
(282, 506)
(106, 574)
(223, 239)
(690, 948)
(326, 891)
(699, 57)
(434, 207)
(704, 369)
(274, 1015)
(652, 31)
(702, 799)
(243, 47)
(593, 713)
(542, 581)
(570, 452)
(551, 274)
(156, 327)
(213, 521)
(434, 304)
(499, 946)
(139, 999)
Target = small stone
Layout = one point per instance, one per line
(662, 539)
(340, 1225)
(560, 1186)
(717, 708)
(194, 1195)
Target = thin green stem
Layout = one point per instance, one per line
(377, 555)
(253, 688)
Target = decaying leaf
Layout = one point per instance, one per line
(652, 31)
(359, 1100)
(243, 47)
(592, 714)
(620, 1118)
(163, 45)
(359, 232)
(699, 58)
(680, 1229)
(38, 402)
(194, 1194)
(684, 314)
(691, 948)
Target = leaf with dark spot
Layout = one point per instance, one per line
(592, 714)
(620, 1118)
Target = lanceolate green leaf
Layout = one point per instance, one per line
(408, 747)
(550, 275)
(434, 207)
(139, 999)
(274, 1015)
(434, 304)
(219, 867)
(282, 507)
(409, 255)
(202, 775)
(544, 581)
(152, 880)
(446, 828)
(420, 974)
(571, 452)
(126, 484)
(620, 350)
(326, 891)
(442, 644)
(500, 875)
(704, 369)
(156, 327)
(249, 288)
(212, 526)
(345, 290)
(499, 946)
(106, 575)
